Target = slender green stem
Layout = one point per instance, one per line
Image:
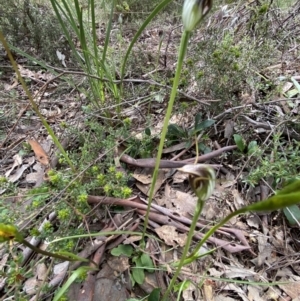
(181, 263)
(182, 50)
(194, 255)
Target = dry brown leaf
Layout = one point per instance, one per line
(229, 129)
(253, 221)
(145, 189)
(149, 283)
(208, 291)
(169, 235)
(119, 264)
(143, 178)
(238, 200)
(292, 288)
(41, 271)
(36, 177)
(61, 268)
(8, 87)
(18, 174)
(273, 293)
(265, 250)
(235, 288)
(223, 297)
(131, 239)
(179, 177)
(17, 162)
(32, 285)
(254, 293)
(175, 148)
(182, 203)
(212, 210)
(232, 272)
(39, 152)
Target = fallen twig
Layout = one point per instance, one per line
(163, 216)
(150, 162)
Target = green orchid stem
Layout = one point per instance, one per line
(181, 263)
(195, 254)
(182, 51)
(288, 196)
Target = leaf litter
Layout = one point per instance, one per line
(274, 254)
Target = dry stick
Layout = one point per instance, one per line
(221, 230)
(121, 238)
(165, 220)
(88, 287)
(150, 162)
(167, 213)
(35, 241)
(266, 126)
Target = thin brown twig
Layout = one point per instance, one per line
(150, 162)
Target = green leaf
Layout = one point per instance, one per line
(292, 214)
(188, 144)
(239, 142)
(252, 147)
(148, 131)
(154, 295)
(203, 148)
(138, 275)
(138, 272)
(182, 285)
(275, 202)
(122, 250)
(203, 125)
(297, 85)
(147, 263)
(198, 119)
(292, 93)
(175, 131)
(294, 186)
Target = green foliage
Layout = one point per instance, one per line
(93, 59)
(126, 250)
(35, 29)
(249, 149)
(181, 286)
(239, 142)
(142, 148)
(292, 215)
(177, 134)
(141, 261)
(154, 295)
(280, 164)
(225, 73)
(230, 64)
